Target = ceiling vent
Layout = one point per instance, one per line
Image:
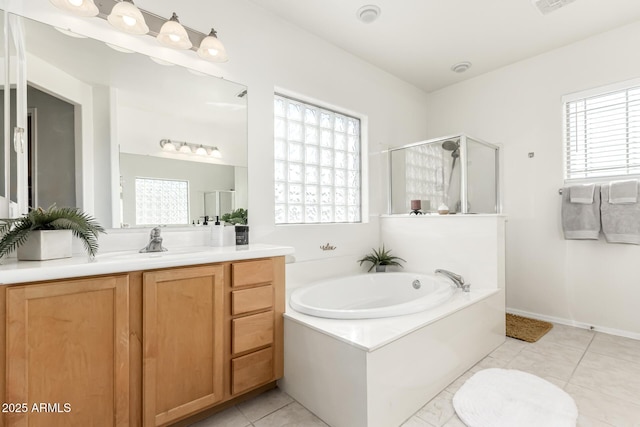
(548, 6)
(368, 13)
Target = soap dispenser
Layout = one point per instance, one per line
(217, 233)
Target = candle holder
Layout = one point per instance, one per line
(416, 205)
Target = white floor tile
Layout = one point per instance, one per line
(614, 377)
(618, 347)
(231, 417)
(568, 335)
(293, 414)
(264, 404)
(543, 365)
(439, 410)
(416, 422)
(597, 407)
(508, 350)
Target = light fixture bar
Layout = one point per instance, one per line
(190, 148)
(154, 22)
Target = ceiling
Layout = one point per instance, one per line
(419, 40)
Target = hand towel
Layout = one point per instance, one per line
(620, 222)
(623, 191)
(580, 220)
(582, 193)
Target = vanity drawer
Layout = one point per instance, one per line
(249, 300)
(252, 272)
(251, 332)
(251, 370)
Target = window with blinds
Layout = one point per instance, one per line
(602, 133)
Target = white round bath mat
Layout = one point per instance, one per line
(508, 398)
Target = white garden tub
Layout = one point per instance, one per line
(370, 296)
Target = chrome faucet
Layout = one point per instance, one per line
(455, 278)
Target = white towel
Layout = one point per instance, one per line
(620, 222)
(623, 191)
(580, 220)
(582, 193)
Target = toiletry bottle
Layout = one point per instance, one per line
(217, 233)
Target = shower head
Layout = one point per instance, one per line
(450, 145)
(453, 146)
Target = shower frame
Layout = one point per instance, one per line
(463, 169)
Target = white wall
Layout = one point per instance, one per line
(583, 282)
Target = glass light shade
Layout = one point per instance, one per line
(174, 35)
(216, 153)
(77, 7)
(167, 145)
(201, 151)
(127, 17)
(211, 49)
(184, 148)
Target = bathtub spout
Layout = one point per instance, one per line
(455, 278)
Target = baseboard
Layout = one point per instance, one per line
(568, 322)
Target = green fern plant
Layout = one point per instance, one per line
(237, 217)
(381, 257)
(15, 231)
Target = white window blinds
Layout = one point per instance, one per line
(602, 134)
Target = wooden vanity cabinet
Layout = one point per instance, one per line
(183, 313)
(257, 304)
(67, 347)
(145, 348)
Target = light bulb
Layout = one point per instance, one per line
(174, 38)
(76, 3)
(129, 20)
(77, 7)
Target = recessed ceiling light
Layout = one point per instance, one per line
(461, 67)
(368, 13)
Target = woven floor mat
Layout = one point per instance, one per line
(525, 329)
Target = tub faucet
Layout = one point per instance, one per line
(455, 278)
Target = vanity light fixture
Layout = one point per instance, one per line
(173, 34)
(126, 17)
(77, 7)
(190, 148)
(212, 49)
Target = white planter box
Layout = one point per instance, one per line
(46, 244)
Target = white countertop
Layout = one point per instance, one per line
(13, 271)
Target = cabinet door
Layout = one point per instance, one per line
(183, 342)
(68, 353)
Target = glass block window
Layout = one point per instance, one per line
(162, 201)
(317, 164)
(602, 132)
(425, 175)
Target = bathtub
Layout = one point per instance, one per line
(374, 371)
(370, 296)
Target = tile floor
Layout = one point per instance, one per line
(601, 372)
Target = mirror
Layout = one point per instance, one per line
(88, 103)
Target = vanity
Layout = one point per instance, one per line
(140, 339)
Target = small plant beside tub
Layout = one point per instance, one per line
(44, 234)
(380, 259)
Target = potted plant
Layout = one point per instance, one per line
(239, 219)
(239, 216)
(46, 233)
(380, 259)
